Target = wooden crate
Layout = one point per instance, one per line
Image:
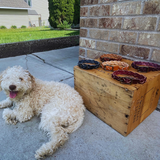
(121, 106)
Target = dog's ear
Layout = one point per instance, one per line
(32, 78)
(1, 76)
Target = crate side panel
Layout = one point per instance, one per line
(151, 97)
(107, 101)
(136, 108)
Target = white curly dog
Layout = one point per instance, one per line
(60, 106)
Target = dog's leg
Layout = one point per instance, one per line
(9, 116)
(58, 138)
(51, 121)
(20, 113)
(6, 103)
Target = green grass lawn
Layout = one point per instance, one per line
(28, 34)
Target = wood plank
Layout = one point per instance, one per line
(119, 92)
(113, 118)
(151, 97)
(136, 108)
(121, 106)
(103, 103)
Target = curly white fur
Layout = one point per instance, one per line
(60, 106)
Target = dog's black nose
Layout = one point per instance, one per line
(12, 87)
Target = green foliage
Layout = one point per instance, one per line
(3, 27)
(76, 19)
(13, 27)
(55, 13)
(23, 26)
(69, 11)
(62, 10)
(64, 25)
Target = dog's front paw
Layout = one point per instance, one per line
(1, 105)
(39, 155)
(9, 117)
(44, 151)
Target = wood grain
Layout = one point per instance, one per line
(121, 106)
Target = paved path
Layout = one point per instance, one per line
(95, 140)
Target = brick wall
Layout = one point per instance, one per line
(130, 28)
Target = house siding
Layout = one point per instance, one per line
(41, 7)
(9, 17)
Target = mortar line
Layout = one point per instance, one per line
(118, 2)
(142, 6)
(111, 7)
(123, 43)
(109, 35)
(124, 56)
(51, 64)
(85, 53)
(137, 38)
(150, 54)
(88, 12)
(119, 16)
(122, 23)
(124, 30)
(118, 48)
(157, 24)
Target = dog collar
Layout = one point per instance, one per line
(110, 57)
(114, 65)
(147, 66)
(84, 64)
(136, 78)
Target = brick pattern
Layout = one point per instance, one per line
(126, 27)
(156, 55)
(152, 7)
(159, 27)
(100, 10)
(98, 34)
(113, 23)
(84, 12)
(83, 32)
(128, 8)
(94, 54)
(120, 36)
(149, 39)
(134, 52)
(140, 23)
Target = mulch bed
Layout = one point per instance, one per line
(28, 47)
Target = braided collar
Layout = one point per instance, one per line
(110, 57)
(114, 65)
(137, 78)
(82, 64)
(147, 66)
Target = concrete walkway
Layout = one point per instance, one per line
(95, 140)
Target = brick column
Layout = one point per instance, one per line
(129, 28)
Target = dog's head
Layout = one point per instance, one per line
(16, 82)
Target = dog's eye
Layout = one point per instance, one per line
(21, 79)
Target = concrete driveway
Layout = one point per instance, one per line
(95, 140)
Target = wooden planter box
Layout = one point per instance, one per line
(121, 106)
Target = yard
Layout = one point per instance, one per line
(28, 34)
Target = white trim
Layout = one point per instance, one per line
(14, 8)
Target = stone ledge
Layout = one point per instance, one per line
(28, 47)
